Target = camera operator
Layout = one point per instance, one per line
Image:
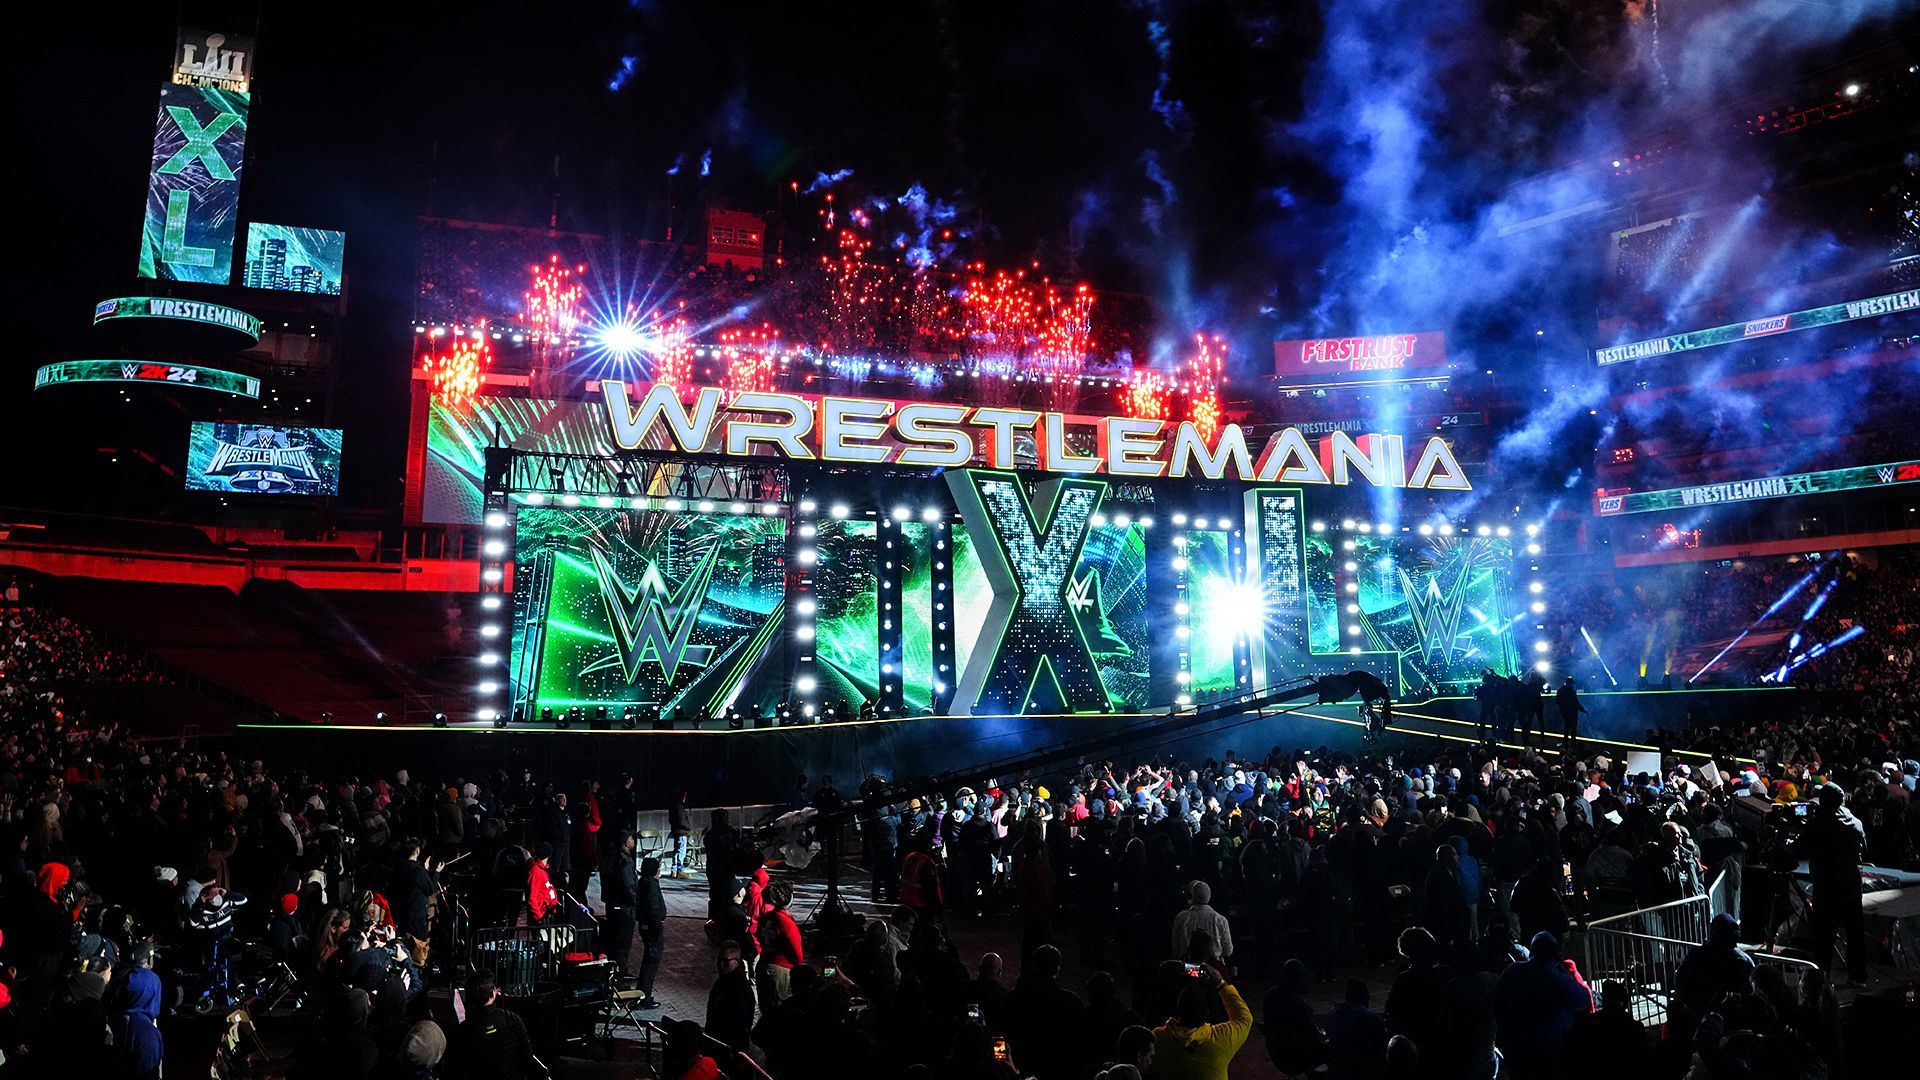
(1832, 844)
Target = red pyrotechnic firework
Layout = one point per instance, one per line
(552, 314)
(1145, 395)
(751, 357)
(1007, 315)
(673, 355)
(1201, 382)
(457, 373)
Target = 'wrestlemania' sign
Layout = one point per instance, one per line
(166, 307)
(1870, 308)
(849, 430)
(91, 371)
(1382, 358)
(1764, 487)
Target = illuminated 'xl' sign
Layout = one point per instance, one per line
(1029, 551)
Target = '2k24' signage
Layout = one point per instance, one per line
(1765, 487)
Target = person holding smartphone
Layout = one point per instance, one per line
(1187, 1047)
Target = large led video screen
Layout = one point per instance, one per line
(262, 459)
(193, 188)
(454, 464)
(1218, 607)
(847, 612)
(918, 617)
(289, 259)
(1107, 594)
(615, 607)
(1442, 606)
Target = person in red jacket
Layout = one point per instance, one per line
(541, 896)
(780, 947)
(920, 880)
(586, 838)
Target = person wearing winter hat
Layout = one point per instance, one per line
(136, 1027)
(1201, 918)
(422, 1048)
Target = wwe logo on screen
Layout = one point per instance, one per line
(1436, 616)
(653, 623)
(292, 462)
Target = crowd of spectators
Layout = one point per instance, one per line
(1467, 871)
(1651, 625)
(152, 880)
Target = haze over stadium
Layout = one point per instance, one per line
(1391, 526)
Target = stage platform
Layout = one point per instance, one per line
(722, 766)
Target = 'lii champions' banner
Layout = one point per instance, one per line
(1871, 308)
(220, 61)
(1764, 487)
(193, 190)
(1380, 358)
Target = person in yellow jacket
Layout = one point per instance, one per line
(1187, 1047)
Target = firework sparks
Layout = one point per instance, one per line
(751, 357)
(1145, 395)
(457, 374)
(1201, 382)
(673, 352)
(552, 315)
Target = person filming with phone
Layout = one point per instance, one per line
(1187, 1047)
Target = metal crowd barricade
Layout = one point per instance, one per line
(1644, 949)
(523, 957)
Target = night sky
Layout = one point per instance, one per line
(1285, 166)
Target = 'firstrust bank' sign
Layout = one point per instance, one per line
(850, 430)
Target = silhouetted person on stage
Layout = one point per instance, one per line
(1570, 709)
(1369, 688)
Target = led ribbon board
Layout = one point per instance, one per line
(1032, 655)
(1871, 308)
(166, 307)
(1765, 487)
(193, 190)
(137, 371)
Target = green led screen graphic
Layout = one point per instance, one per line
(262, 459)
(972, 595)
(917, 618)
(615, 607)
(289, 259)
(193, 190)
(1108, 597)
(846, 615)
(140, 371)
(1219, 605)
(457, 441)
(1444, 606)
